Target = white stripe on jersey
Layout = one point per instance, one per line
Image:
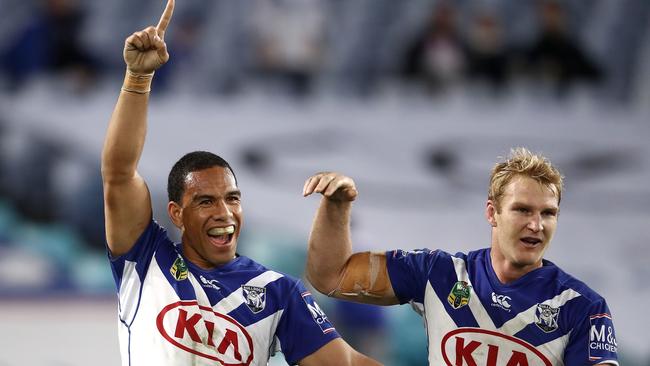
(201, 296)
(129, 293)
(438, 323)
(262, 331)
(236, 298)
(480, 314)
(527, 316)
(551, 348)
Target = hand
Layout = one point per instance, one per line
(145, 51)
(333, 186)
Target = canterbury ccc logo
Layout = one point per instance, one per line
(206, 333)
(502, 300)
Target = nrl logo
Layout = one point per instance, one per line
(255, 297)
(179, 269)
(459, 295)
(546, 317)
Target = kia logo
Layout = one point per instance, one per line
(204, 332)
(474, 346)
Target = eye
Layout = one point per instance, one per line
(233, 199)
(522, 209)
(549, 213)
(205, 202)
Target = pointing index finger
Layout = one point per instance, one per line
(165, 18)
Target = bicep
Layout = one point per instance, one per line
(127, 210)
(365, 279)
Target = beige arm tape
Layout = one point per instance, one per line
(137, 83)
(365, 275)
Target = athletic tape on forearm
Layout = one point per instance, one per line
(137, 83)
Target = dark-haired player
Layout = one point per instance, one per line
(196, 302)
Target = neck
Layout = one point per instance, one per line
(506, 271)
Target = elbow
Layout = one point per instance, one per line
(115, 177)
(116, 172)
(326, 285)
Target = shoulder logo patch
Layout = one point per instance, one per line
(179, 269)
(459, 295)
(546, 317)
(255, 297)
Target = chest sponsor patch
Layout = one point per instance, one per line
(475, 346)
(602, 339)
(206, 333)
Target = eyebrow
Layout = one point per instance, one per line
(525, 205)
(235, 192)
(202, 197)
(199, 197)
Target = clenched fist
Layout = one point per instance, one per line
(145, 51)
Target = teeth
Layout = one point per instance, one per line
(222, 230)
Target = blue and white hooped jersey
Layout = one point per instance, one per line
(544, 318)
(172, 312)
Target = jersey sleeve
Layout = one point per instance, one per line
(409, 271)
(593, 340)
(304, 327)
(140, 254)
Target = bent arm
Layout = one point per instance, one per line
(330, 245)
(331, 267)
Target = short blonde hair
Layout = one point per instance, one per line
(522, 162)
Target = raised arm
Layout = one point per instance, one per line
(127, 202)
(331, 267)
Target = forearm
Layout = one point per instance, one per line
(330, 244)
(360, 359)
(126, 131)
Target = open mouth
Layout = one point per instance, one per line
(221, 235)
(530, 241)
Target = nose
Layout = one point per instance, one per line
(220, 210)
(535, 224)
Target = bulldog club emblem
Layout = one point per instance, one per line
(546, 317)
(255, 297)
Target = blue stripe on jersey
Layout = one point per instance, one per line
(166, 255)
(117, 268)
(273, 303)
(144, 247)
(443, 281)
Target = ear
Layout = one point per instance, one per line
(490, 213)
(175, 212)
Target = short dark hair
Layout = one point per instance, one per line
(191, 162)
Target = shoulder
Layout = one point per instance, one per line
(566, 281)
(276, 279)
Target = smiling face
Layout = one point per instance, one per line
(523, 223)
(209, 216)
